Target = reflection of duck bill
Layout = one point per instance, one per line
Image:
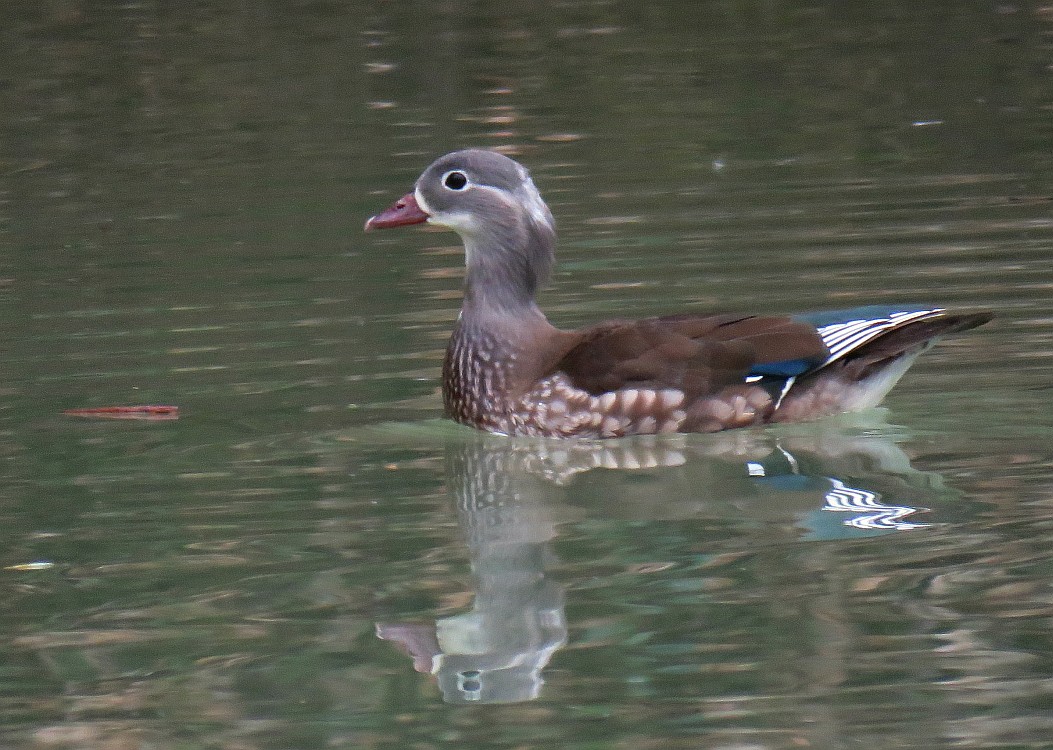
(418, 641)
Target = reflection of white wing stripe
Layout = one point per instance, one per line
(842, 338)
(845, 499)
(887, 519)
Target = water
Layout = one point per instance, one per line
(309, 557)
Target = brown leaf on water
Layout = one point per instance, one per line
(153, 412)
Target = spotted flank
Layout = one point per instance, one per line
(555, 405)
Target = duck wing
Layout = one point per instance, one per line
(697, 354)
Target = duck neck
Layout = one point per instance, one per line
(506, 263)
(500, 330)
(492, 296)
(499, 322)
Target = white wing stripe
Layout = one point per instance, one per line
(842, 338)
(855, 341)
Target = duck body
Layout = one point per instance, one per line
(508, 370)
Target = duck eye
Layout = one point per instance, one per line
(455, 180)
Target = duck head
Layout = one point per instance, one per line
(491, 202)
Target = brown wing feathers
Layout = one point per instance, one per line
(697, 354)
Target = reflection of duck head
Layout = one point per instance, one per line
(495, 652)
(511, 496)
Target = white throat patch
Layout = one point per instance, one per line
(461, 222)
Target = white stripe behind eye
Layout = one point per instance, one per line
(531, 198)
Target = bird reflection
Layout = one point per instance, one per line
(512, 495)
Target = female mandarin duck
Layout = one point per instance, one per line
(508, 370)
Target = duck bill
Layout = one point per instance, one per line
(402, 212)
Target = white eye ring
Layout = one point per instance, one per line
(455, 179)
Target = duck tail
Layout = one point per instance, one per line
(909, 339)
(870, 350)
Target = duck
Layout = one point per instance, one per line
(508, 370)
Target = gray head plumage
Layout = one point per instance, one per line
(508, 231)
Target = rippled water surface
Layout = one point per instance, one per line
(309, 557)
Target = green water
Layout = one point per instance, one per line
(309, 557)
